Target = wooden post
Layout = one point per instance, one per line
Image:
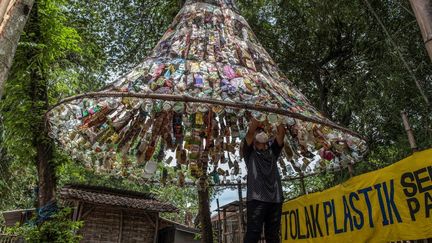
(350, 170)
(225, 226)
(423, 12)
(409, 131)
(219, 222)
(76, 213)
(76, 210)
(155, 239)
(302, 183)
(120, 227)
(80, 211)
(241, 218)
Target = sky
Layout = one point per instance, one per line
(228, 195)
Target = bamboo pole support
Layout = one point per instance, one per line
(409, 132)
(302, 183)
(155, 239)
(120, 236)
(423, 12)
(225, 233)
(219, 221)
(350, 170)
(241, 218)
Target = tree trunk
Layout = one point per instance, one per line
(204, 210)
(41, 141)
(323, 89)
(324, 100)
(4, 4)
(46, 170)
(181, 3)
(13, 17)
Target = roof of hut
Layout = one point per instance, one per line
(115, 197)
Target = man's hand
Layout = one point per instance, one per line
(280, 135)
(253, 125)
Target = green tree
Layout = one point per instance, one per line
(339, 56)
(185, 199)
(42, 52)
(59, 228)
(67, 47)
(334, 51)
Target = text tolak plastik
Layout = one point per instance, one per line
(385, 200)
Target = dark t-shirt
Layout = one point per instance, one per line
(263, 177)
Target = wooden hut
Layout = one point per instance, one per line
(229, 222)
(173, 232)
(112, 215)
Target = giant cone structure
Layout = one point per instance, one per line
(189, 103)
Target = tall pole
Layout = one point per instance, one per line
(350, 170)
(219, 221)
(241, 218)
(155, 239)
(409, 132)
(302, 184)
(423, 12)
(225, 231)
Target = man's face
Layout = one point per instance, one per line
(260, 146)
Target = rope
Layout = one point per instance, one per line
(411, 73)
(46, 212)
(236, 183)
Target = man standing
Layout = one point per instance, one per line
(264, 188)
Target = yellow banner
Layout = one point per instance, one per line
(390, 204)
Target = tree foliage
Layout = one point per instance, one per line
(334, 51)
(59, 228)
(41, 54)
(340, 57)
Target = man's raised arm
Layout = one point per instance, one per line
(253, 125)
(280, 135)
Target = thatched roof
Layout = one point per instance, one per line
(115, 197)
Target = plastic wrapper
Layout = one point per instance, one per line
(209, 52)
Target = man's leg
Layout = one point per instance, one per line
(272, 223)
(255, 219)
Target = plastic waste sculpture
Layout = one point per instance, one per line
(189, 103)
